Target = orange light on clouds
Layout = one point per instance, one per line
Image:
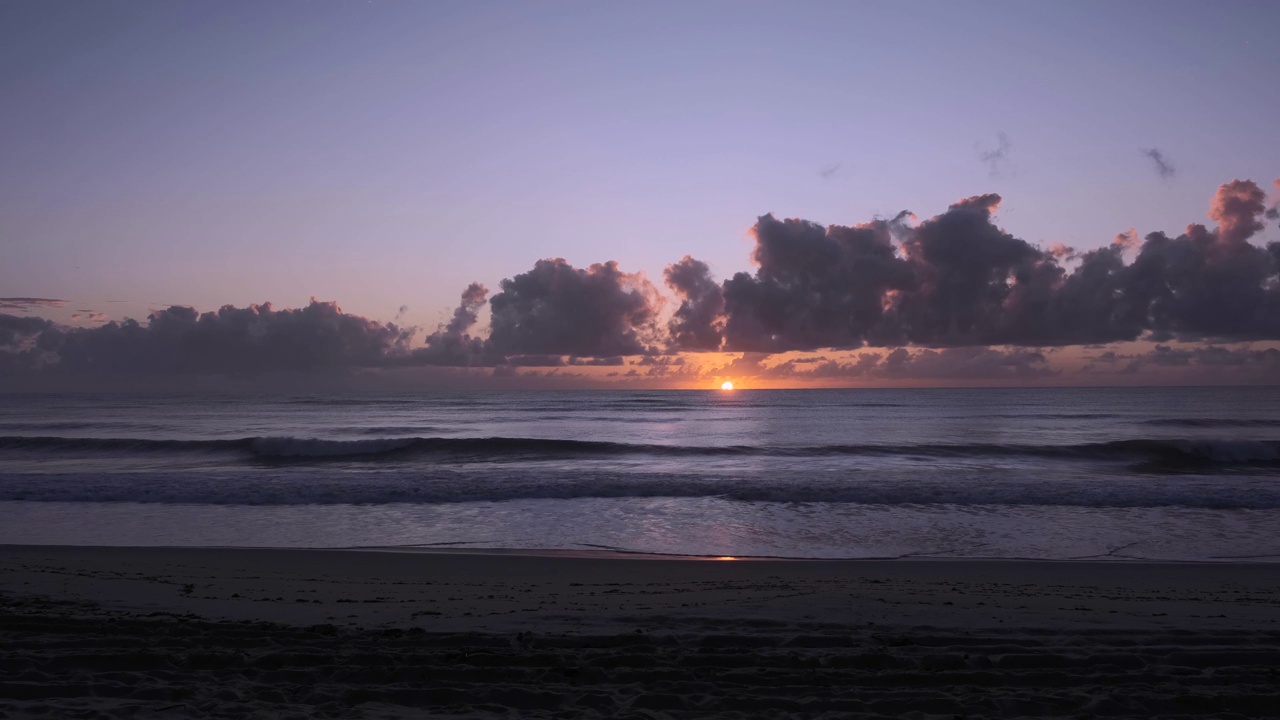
(726, 557)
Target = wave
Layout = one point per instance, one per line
(1215, 422)
(1153, 454)
(446, 486)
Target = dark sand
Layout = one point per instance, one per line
(118, 632)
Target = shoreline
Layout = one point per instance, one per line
(622, 554)
(418, 579)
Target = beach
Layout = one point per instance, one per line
(183, 632)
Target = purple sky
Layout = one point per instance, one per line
(383, 154)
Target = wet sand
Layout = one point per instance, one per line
(158, 632)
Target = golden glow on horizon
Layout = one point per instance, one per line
(726, 385)
(726, 557)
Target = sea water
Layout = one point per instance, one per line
(1134, 473)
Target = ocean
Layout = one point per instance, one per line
(1135, 473)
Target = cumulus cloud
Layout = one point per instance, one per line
(1211, 283)
(958, 279)
(557, 309)
(815, 286)
(29, 303)
(453, 344)
(552, 316)
(697, 322)
(229, 341)
(1163, 167)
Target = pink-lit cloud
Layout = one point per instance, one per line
(29, 303)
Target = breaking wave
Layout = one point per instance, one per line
(1157, 456)
(303, 486)
(1155, 453)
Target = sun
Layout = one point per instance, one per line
(726, 385)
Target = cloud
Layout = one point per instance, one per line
(958, 279)
(1205, 362)
(557, 309)
(697, 322)
(950, 287)
(230, 341)
(829, 171)
(516, 361)
(15, 327)
(452, 344)
(1236, 207)
(971, 363)
(19, 343)
(1160, 163)
(29, 303)
(1211, 283)
(598, 361)
(815, 287)
(995, 158)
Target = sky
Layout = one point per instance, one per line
(385, 155)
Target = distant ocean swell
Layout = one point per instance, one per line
(1148, 454)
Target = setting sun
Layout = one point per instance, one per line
(726, 385)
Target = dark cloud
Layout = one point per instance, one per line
(1160, 163)
(230, 341)
(696, 324)
(976, 363)
(972, 280)
(995, 158)
(14, 328)
(557, 309)
(29, 303)
(951, 286)
(669, 360)
(815, 287)
(1211, 284)
(958, 280)
(19, 343)
(453, 344)
(561, 361)
(829, 171)
(515, 361)
(598, 361)
(1207, 362)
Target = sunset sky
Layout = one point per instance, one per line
(386, 155)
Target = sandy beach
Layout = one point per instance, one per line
(120, 632)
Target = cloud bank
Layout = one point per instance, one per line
(957, 280)
(230, 341)
(972, 300)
